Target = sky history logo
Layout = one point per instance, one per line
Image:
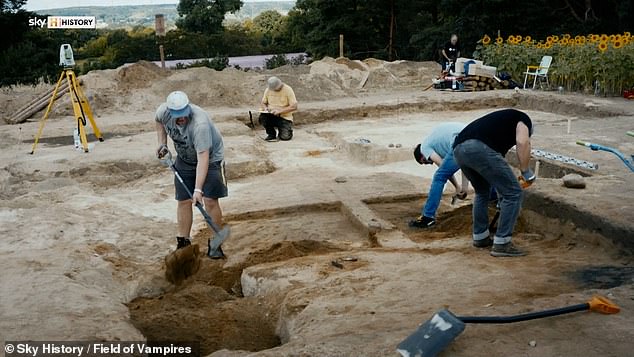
(64, 22)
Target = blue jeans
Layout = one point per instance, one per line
(485, 167)
(442, 175)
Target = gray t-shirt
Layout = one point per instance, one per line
(200, 134)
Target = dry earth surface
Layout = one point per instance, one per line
(85, 234)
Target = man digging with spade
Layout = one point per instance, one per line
(199, 163)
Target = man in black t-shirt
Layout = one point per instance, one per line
(450, 53)
(479, 150)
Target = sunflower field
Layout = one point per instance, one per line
(600, 64)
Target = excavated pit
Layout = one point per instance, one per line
(210, 306)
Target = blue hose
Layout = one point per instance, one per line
(596, 147)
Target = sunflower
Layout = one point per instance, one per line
(528, 39)
(627, 34)
(566, 36)
(580, 41)
(499, 40)
(604, 38)
(547, 45)
(539, 45)
(555, 38)
(486, 40)
(549, 39)
(510, 39)
(563, 41)
(617, 44)
(603, 46)
(595, 38)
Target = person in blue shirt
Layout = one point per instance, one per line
(437, 149)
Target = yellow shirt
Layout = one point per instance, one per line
(280, 99)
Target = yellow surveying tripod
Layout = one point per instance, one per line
(81, 107)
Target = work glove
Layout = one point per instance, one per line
(526, 178)
(162, 151)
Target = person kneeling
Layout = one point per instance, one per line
(278, 104)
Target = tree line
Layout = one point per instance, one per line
(385, 29)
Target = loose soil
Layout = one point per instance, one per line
(85, 234)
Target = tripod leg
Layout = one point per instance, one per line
(80, 116)
(48, 110)
(85, 106)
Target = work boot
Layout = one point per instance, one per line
(182, 242)
(506, 250)
(422, 222)
(483, 243)
(271, 137)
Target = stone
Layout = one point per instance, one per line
(574, 181)
(341, 179)
(532, 343)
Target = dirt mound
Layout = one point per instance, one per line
(143, 86)
(139, 75)
(340, 73)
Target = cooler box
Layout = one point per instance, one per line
(460, 65)
(481, 70)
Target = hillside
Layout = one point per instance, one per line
(143, 15)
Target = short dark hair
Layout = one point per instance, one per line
(418, 155)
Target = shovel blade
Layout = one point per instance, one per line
(219, 238)
(432, 336)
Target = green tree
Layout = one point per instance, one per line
(269, 21)
(272, 28)
(11, 6)
(417, 29)
(205, 16)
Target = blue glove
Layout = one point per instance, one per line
(527, 178)
(528, 175)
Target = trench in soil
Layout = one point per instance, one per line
(210, 308)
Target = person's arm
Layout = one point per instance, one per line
(264, 103)
(201, 175)
(291, 107)
(436, 159)
(445, 55)
(161, 135)
(523, 146)
(523, 149)
(287, 109)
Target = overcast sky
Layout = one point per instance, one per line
(33, 5)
